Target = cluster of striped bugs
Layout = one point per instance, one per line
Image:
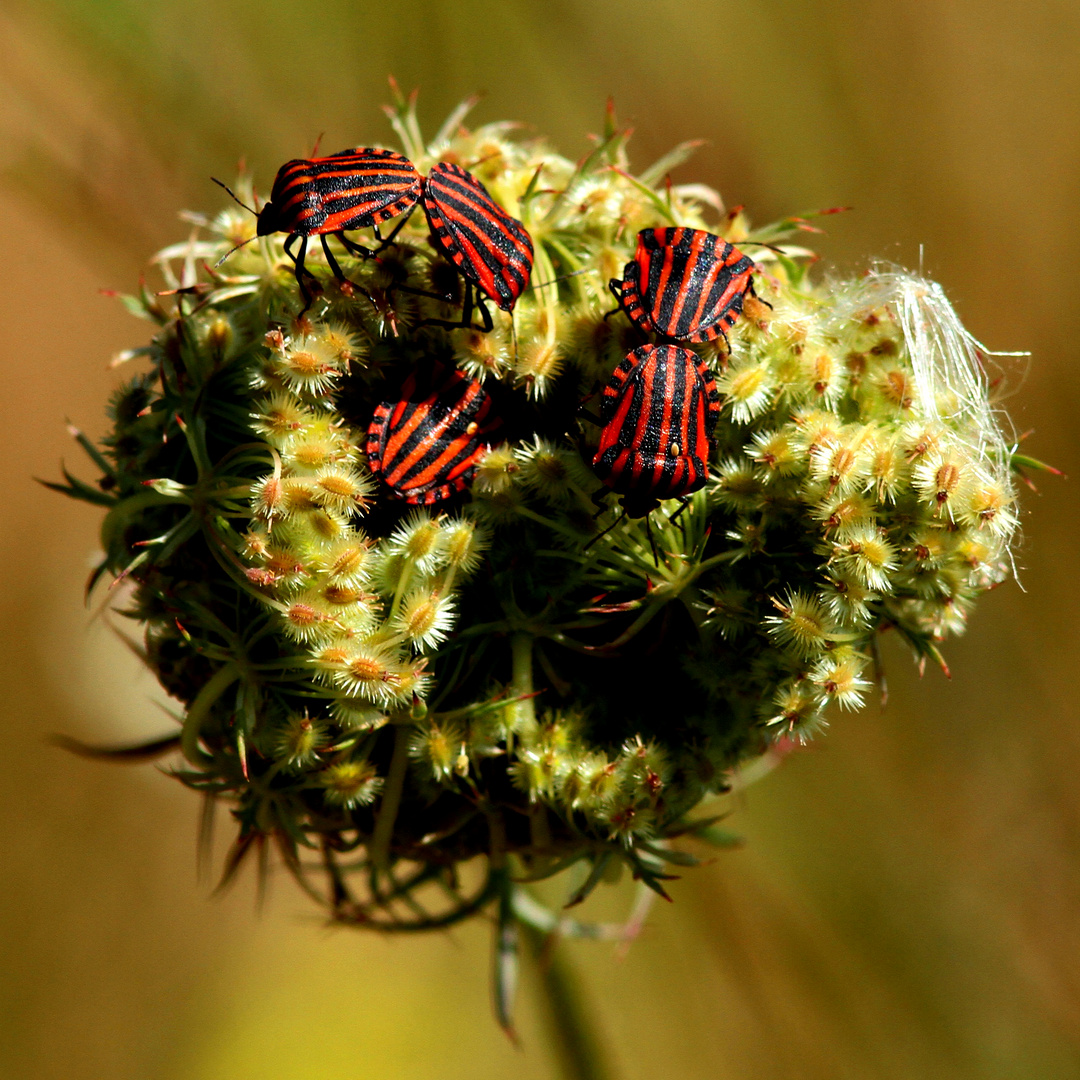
(356, 497)
(661, 405)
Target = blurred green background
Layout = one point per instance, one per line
(908, 900)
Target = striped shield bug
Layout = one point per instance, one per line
(658, 411)
(353, 189)
(426, 445)
(492, 250)
(684, 284)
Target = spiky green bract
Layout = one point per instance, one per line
(388, 692)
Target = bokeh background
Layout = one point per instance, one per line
(907, 903)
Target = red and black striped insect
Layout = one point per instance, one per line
(658, 411)
(427, 444)
(684, 284)
(492, 250)
(353, 189)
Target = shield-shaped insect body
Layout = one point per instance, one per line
(426, 444)
(659, 411)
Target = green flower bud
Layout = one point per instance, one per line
(349, 784)
(299, 742)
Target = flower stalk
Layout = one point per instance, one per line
(576, 1044)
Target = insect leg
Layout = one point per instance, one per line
(485, 315)
(298, 259)
(465, 323)
(299, 270)
(355, 249)
(467, 305)
(750, 288)
(335, 269)
(600, 535)
(652, 542)
(615, 288)
(397, 228)
(684, 502)
(420, 292)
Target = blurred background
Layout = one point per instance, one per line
(907, 903)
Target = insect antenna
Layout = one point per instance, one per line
(235, 197)
(231, 250)
(760, 243)
(684, 502)
(652, 541)
(239, 202)
(555, 281)
(600, 535)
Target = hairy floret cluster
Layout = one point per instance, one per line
(521, 671)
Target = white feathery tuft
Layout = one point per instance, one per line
(949, 365)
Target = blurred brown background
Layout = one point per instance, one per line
(908, 902)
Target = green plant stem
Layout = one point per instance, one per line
(521, 683)
(391, 800)
(574, 1040)
(200, 709)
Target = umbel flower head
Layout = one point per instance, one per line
(455, 591)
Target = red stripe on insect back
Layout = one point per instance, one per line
(646, 376)
(646, 257)
(672, 291)
(658, 410)
(491, 249)
(427, 444)
(341, 220)
(613, 430)
(350, 190)
(460, 456)
(405, 420)
(476, 207)
(472, 258)
(685, 284)
(434, 431)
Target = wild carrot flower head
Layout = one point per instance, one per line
(541, 619)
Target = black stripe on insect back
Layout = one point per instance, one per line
(684, 284)
(467, 246)
(426, 444)
(492, 249)
(485, 220)
(663, 398)
(659, 410)
(702, 287)
(340, 171)
(308, 192)
(449, 438)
